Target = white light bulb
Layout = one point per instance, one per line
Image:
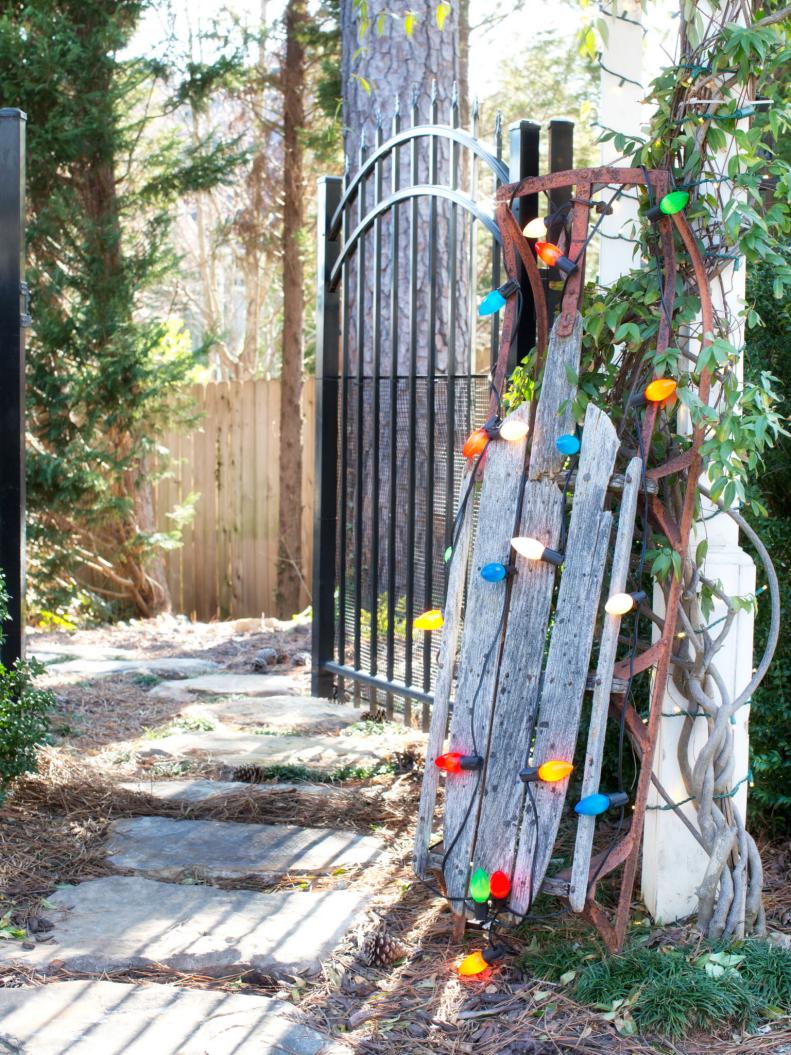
(536, 228)
(619, 604)
(513, 430)
(528, 547)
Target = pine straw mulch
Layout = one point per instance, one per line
(52, 830)
(54, 824)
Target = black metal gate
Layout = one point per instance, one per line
(402, 375)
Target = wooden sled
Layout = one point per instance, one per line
(527, 645)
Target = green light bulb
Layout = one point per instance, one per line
(674, 202)
(448, 553)
(479, 885)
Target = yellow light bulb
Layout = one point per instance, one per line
(513, 430)
(554, 770)
(535, 228)
(473, 964)
(619, 604)
(528, 547)
(660, 390)
(430, 620)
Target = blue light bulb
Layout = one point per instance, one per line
(491, 303)
(593, 805)
(567, 444)
(494, 572)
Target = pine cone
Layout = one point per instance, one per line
(379, 715)
(249, 775)
(381, 949)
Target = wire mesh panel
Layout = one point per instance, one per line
(407, 245)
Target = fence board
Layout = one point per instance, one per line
(227, 565)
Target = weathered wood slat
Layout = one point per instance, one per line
(556, 392)
(601, 694)
(569, 651)
(446, 661)
(519, 681)
(616, 484)
(497, 518)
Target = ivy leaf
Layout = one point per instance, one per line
(443, 10)
(364, 84)
(627, 331)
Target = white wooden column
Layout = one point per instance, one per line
(621, 110)
(673, 863)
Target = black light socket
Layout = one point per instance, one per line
(471, 762)
(568, 267)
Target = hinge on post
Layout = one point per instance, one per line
(24, 316)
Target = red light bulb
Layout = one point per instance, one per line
(450, 762)
(499, 885)
(475, 443)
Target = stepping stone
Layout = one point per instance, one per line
(230, 685)
(283, 714)
(168, 848)
(199, 790)
(320, 754)
(162, 668)
(124, 922)
(108, 1018)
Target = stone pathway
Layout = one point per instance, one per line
(169, 912)
(103, 1018)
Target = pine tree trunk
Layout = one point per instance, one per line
(409, 71)
(289, 571)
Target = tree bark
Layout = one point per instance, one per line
(290, 470)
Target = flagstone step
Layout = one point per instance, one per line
(227, 684)
(123, 922)
(283, 714)
(200, 790)
(109, 1018)
(164, 667)
(168, 848)
(320, 753)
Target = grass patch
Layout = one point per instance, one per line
(181, 725)
(290, 774)
(369, 728)
(670, 991)
(145, 680)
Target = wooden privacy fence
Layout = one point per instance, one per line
(227, 565)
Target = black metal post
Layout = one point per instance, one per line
(523, 139)
(325, 514)
(13, 319)
(561, 158)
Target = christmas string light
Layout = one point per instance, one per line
(430, 620)
(595, 805)
(621, 603)
(532, 549)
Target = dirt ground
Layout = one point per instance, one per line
(53, 824)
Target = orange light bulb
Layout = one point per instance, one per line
(554, 770)
(473, 964)
(475, 443)
(430, 620)
(660, 389)
(549, 253)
